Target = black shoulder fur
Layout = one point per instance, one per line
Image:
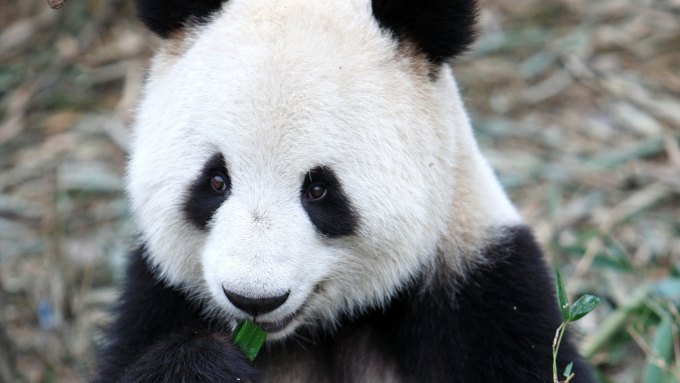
(495, 325)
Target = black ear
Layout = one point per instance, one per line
(441, 29)
(167, 16)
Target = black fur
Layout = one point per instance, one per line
(159, 336)
(441, 29)
(495, 325)
(191, 357)
(332, 215)
(202, 200)
(167, 16)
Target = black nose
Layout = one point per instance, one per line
(255, 306)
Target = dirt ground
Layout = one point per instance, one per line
(576, 102)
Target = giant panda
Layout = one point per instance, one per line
(310, 165)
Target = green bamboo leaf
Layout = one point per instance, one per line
(562, 299)
(249, 337)
(567, 370)
(584, 305)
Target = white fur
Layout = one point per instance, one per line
(279, 88)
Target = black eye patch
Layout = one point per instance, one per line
(208, 191)
(328, 207)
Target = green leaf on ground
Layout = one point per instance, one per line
(661, 350)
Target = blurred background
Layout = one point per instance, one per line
(576, 102)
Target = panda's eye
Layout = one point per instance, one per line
(326, 204)
(207, 192)
(218, 183)
(316, 191)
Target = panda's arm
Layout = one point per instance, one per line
(158, 336)
(190, 357)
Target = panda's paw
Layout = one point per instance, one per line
(191, 357)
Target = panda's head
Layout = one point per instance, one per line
(294, 160)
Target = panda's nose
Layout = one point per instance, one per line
(255, 306)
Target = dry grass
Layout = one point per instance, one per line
(576, 102)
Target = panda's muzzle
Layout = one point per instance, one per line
(255, 306)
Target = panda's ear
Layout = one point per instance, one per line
(167, 16)
(441, 29)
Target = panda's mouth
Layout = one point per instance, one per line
(276, 326)
(272, 327)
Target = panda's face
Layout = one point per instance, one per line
(294, 154)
